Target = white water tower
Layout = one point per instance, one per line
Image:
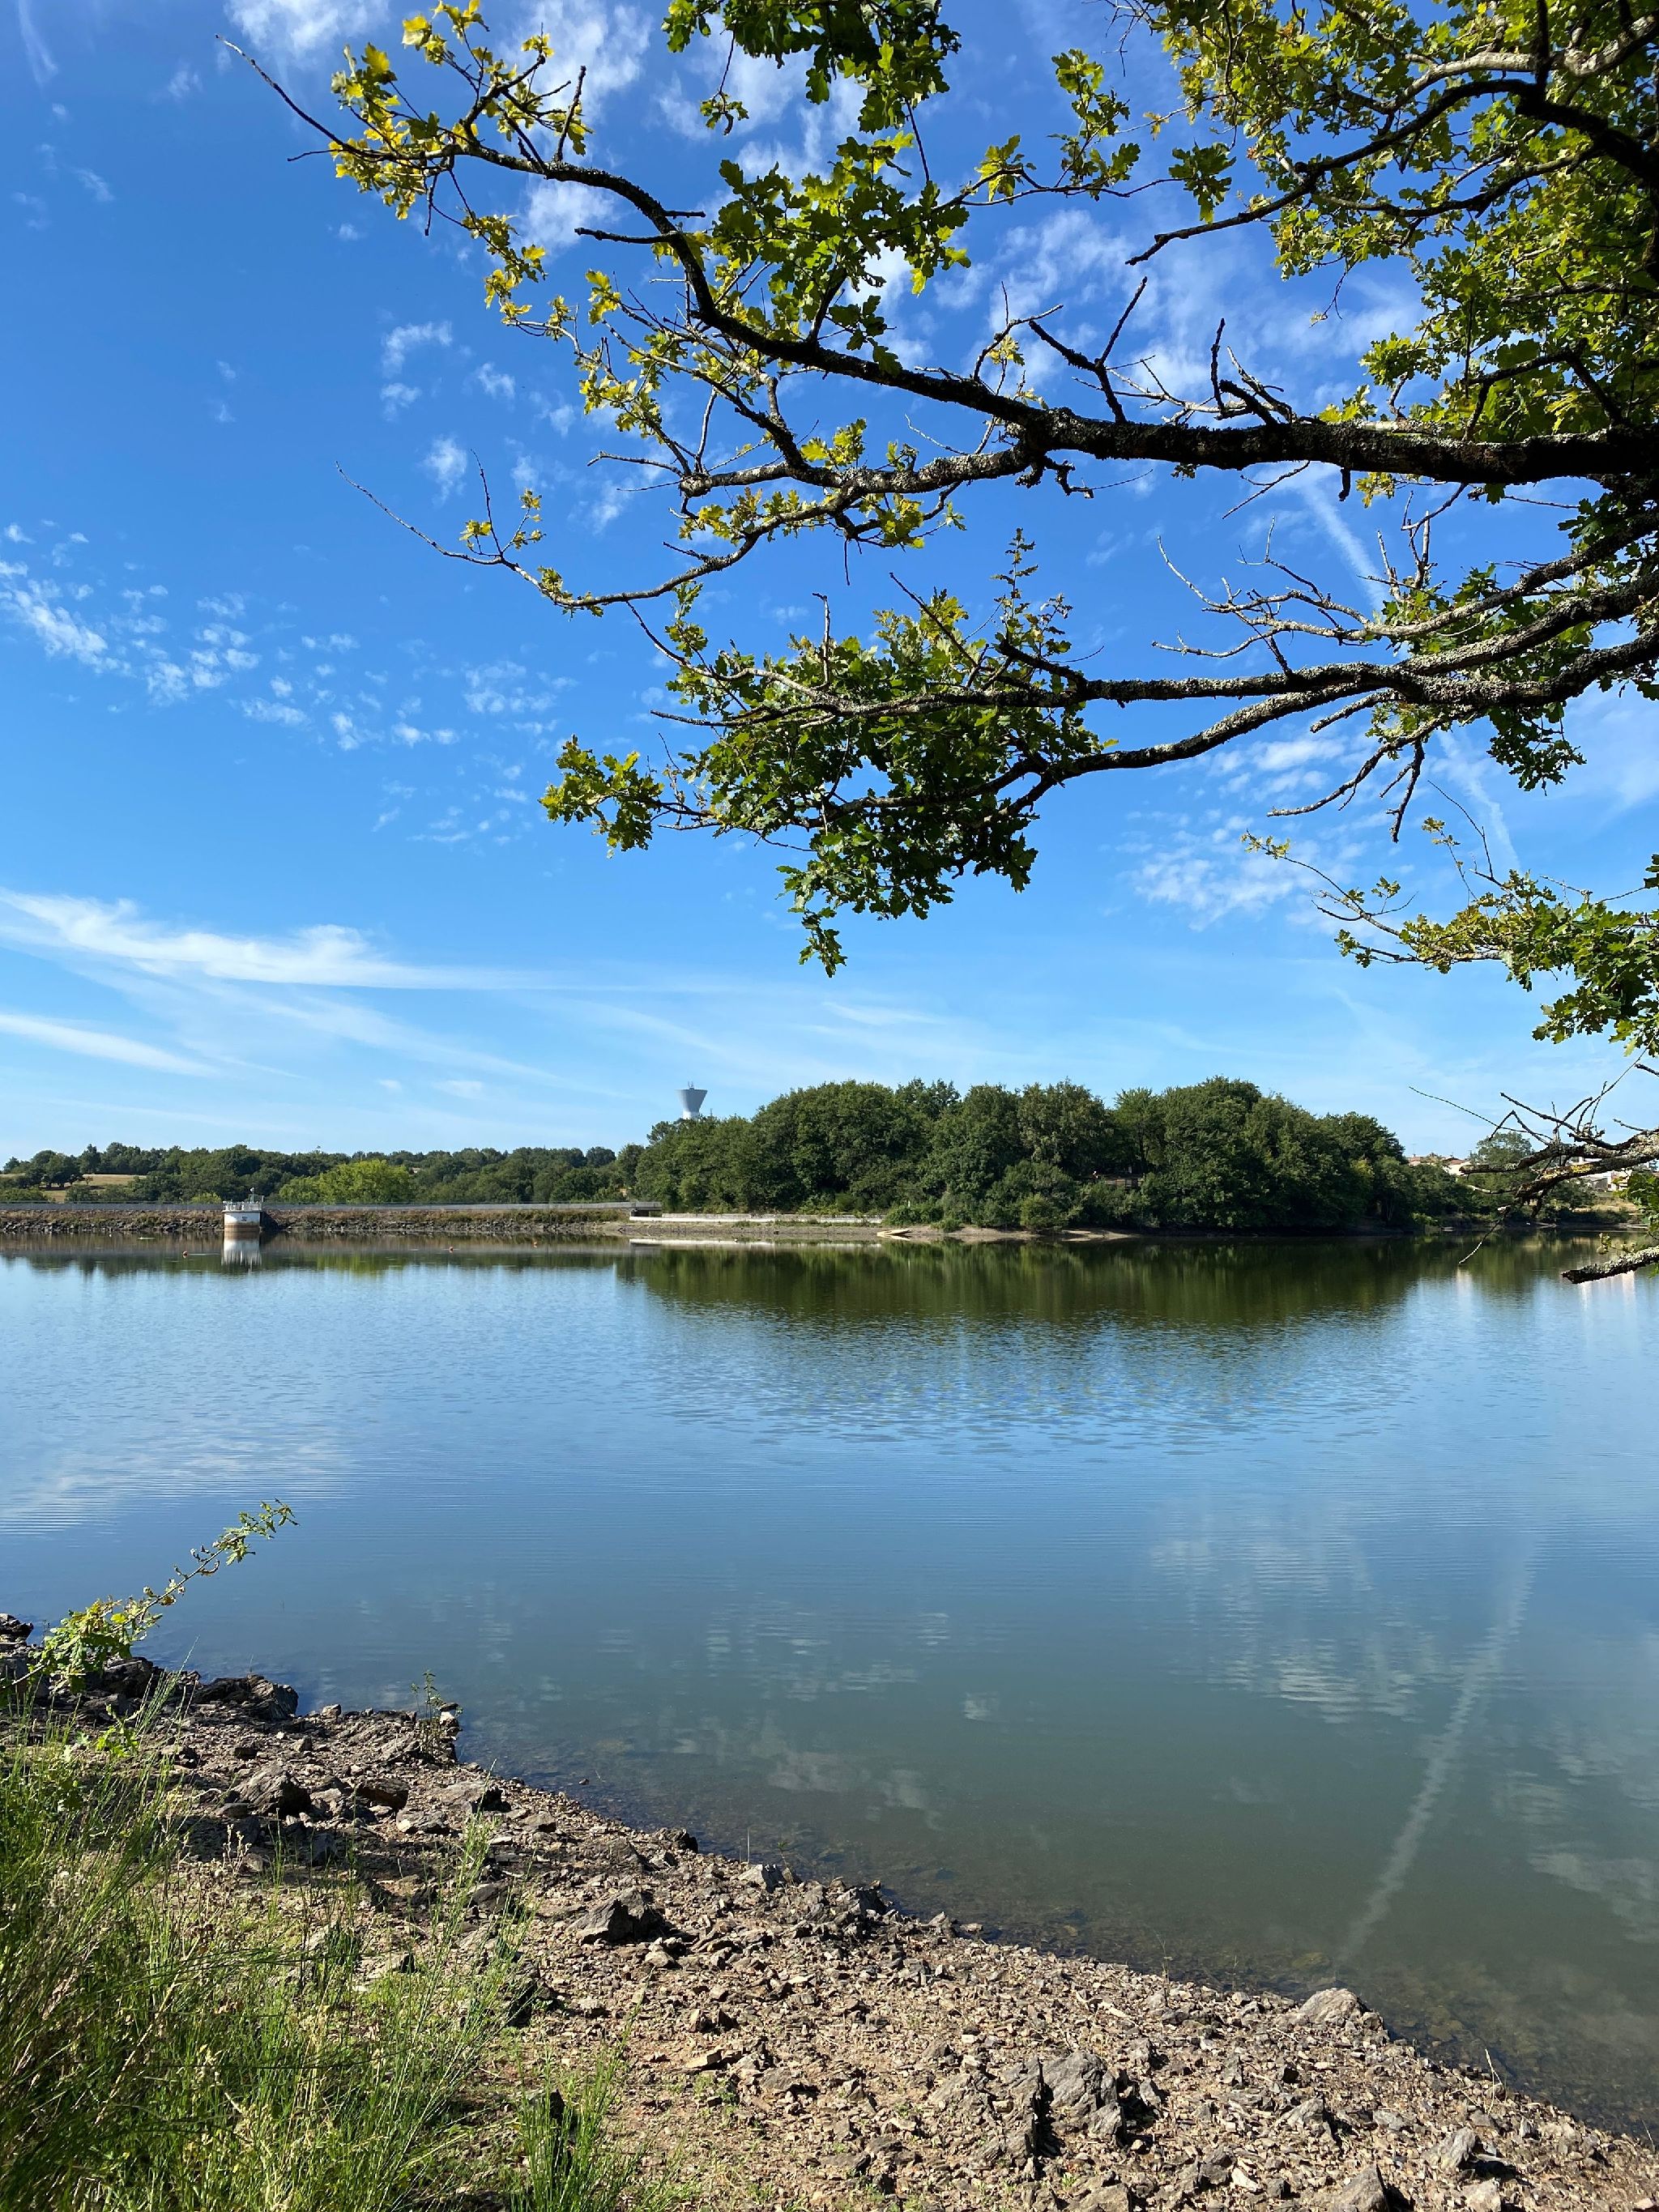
(691, 1103)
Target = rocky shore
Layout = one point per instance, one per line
(202, 1227)
(790, 2043)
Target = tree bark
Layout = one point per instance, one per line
(1646, 1256)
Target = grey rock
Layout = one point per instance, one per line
(1485, 2196)
(1364, 2191)
(628, 1917)
(769, 1876)
(1140, 2098)
(263, 1699)
(1216, 2171)
(477, 1794)
(1115, 2198)
(375, 1789)
(13, 1631)
(1459, 2151)
(1077, 2082)
(1329, 2008)
(275, 1794)
(1310, 2115)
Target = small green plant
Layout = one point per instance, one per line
(435, 1717)
(571, 2160)
(85, 1642)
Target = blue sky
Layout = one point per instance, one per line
(270, 862)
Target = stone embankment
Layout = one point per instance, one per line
(200, 1227)
(791, 2043)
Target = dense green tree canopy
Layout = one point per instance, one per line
(1218, 1155)
(1495, 157)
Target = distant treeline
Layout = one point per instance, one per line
(545, 1174)
(1218, 1155)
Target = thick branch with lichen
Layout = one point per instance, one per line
(1501, 157)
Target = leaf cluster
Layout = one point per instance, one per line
(1494, 160)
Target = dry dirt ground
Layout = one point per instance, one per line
(792, 2044)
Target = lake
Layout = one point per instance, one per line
(1277, 1613)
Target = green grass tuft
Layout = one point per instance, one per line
(168, 2045)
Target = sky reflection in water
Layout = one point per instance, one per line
(1274, 1612)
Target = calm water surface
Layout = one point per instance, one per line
(1276, 1612)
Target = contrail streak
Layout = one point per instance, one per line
(1483, 1669)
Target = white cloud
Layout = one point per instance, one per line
(445, 465)
(459, 1088)
(495, 381)
(396, 397)
(302, 27)
(116, 932)
(34, 608)
(499, 688)
(396, 345)
(1282, 753)
(552, 212)
(1213, 877)
(609, 42)
(272, 710)
(182, 83)
(95, 1044)
(94, 184)
(166, 683)
(766, 88)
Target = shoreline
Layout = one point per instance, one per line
(795, 2043)
(528, 1226)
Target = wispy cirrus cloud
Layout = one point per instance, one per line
(42, 67)
(90, 1043)
(117, 934)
